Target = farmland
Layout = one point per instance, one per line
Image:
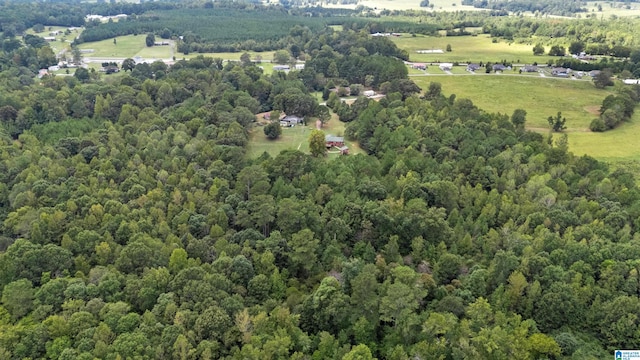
(540, 97)
(614, 146)
(578, 101)
(125, 47)
(467, 49)
(438, 5)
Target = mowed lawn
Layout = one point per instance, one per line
(296, 138)
(467, 49)
(578, 100)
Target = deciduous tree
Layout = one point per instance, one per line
(317, 143)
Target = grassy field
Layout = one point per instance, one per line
(540, 97)
(62, 41)
(126, 47)
(266, 55)
(467, 49)
(438, 5)
(618, 145)
(296, 138)
(579, 102)
(612, 8)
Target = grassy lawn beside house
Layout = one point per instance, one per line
(62, 41)
(467, 49)
(540, 97)
(296, 138)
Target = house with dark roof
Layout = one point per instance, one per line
(529, 68)
(500, 67)
(473, 67)
(331, 141)
(291, 120)
(560, 72)
(419, 66)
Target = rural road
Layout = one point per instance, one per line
(503, 74)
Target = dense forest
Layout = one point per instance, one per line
(135, 226)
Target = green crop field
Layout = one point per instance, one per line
(540, 97)
(296, 138)
(467, 49)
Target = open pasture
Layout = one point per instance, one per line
(126, 47)
(578, 100)
(467, 49)
(610, 8)
(438, 5)
(266, 56)
(620, 144)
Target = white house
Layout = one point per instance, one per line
(446, 66)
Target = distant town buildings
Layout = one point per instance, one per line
(105, 18)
